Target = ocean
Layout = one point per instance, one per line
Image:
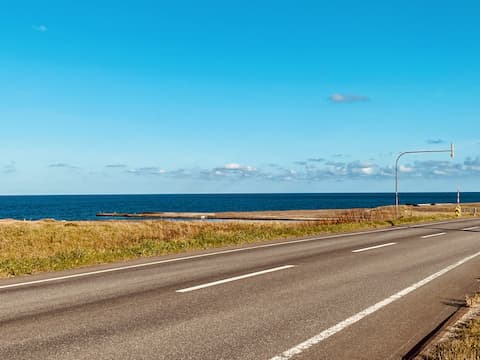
(85, 207)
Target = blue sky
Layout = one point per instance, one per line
(251, 96)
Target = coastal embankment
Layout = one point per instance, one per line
(377, 213)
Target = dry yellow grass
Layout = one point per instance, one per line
(30, 247)
(464, 342)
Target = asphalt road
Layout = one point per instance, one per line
(371, 295)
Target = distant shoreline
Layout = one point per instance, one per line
(289, 215)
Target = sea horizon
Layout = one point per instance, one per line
(243, 193)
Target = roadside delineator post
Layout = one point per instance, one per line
(458, 211)
(458, 208)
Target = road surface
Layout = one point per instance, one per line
(370, 295)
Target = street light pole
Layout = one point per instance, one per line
(452, 154)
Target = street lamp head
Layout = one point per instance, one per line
(452, 150)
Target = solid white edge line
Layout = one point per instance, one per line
(235, 278)
(298, 349)
(152, 263)
(442, 222)
(471, 228)
(373, 247)
(432, 235)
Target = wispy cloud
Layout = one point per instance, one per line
(319, 171)
(472, 164)
(148, 170)
(63, 166)
(301, 163)
(338, 155)
(339, 98)
(230, 171)
(273, 165)
(442, 168)
(316, 160)
(115, 166)
(436, 141)
(40, 28)
(9, 168)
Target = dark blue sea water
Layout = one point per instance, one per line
(85, 207)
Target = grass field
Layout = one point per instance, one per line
(31, 247)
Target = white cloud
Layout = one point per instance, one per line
(439, 172)
(235, 167)
(328, 170)
(369, 170)
(115, 166)
(148, 170)
(232, 166)
(230, 171)
(62, 166)
(355, 168)
(339, 98)
(436, 141)
(406, 169)
(40, 28)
